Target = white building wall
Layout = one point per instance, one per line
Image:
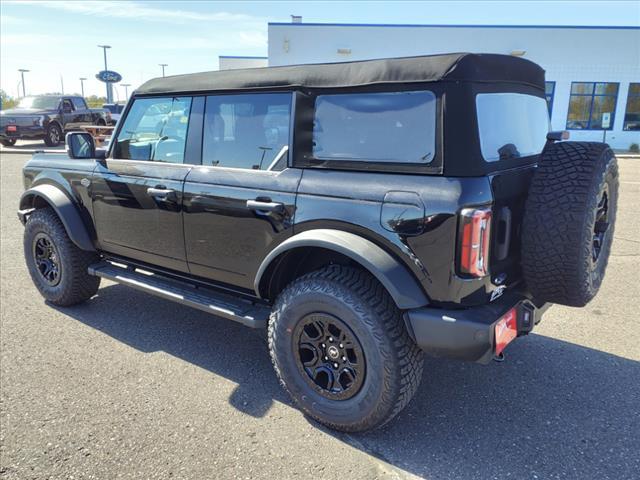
(568, 54)
(227, 62)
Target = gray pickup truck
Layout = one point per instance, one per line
(48, 117)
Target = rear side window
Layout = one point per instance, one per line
(394, 127)
(155, 129)
(79, 103)
(511, 125)
(247, 131)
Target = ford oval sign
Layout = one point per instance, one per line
(109, 76)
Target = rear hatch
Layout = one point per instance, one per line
(509, 190)
(512, 130)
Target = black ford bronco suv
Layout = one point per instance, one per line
(363, 212)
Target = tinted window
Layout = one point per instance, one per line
(247, 131)
(155, 129)
(78, 103)
(511, 125)
(396, 127)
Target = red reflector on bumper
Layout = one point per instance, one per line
(12, 128)
(506, 330)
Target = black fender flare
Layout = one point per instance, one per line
(396, 278)
(64, 208)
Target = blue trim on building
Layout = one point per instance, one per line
(242, 56)
(412, 25)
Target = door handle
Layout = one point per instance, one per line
(162, 193)
(261, 206)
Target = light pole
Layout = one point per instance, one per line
(126, 90)
(104, 48)
(22, 72)
(163, 65)
(82, 79)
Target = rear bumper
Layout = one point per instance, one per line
(469, 334)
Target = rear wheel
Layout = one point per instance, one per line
(9, 142)
(53, 135)
(569, 220)
(57, 266)
(340, 348)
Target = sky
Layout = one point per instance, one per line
(58, 40)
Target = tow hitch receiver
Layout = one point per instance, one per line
(506, 330)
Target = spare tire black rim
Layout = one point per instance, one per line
(47, 259)
(600, 226)
(329, 356)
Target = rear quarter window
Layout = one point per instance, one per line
(393, 127)
(511, 125)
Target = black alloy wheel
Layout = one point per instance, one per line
(47, 259)
(601, 225)
(329, 356)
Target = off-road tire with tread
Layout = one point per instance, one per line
(559, 221)
(75, 285)
(393, 361)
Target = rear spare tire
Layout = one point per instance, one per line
(568, 222)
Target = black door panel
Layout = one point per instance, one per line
(137, 211)
(226, 236)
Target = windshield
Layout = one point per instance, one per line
(39, 102)
(511, 125)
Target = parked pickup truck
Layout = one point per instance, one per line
(364, 213)
(48, 117)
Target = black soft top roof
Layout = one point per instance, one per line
(432, 68)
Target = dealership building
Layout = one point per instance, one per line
(592, 73)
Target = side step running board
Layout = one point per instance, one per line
(221, 304)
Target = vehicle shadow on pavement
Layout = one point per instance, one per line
(552, 409)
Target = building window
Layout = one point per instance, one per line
(632, 112)
(549, 92)
(589, 103)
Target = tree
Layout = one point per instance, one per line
(6, 101)
(94, 101)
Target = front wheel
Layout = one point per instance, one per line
(53, 135)
(57, 266)
(341, 350)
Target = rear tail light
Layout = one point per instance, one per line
(506, 330)
(474, 243)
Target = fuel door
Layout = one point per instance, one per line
(402, 213)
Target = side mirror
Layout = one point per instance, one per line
(80, 145)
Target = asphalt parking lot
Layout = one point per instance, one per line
(132, 386)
